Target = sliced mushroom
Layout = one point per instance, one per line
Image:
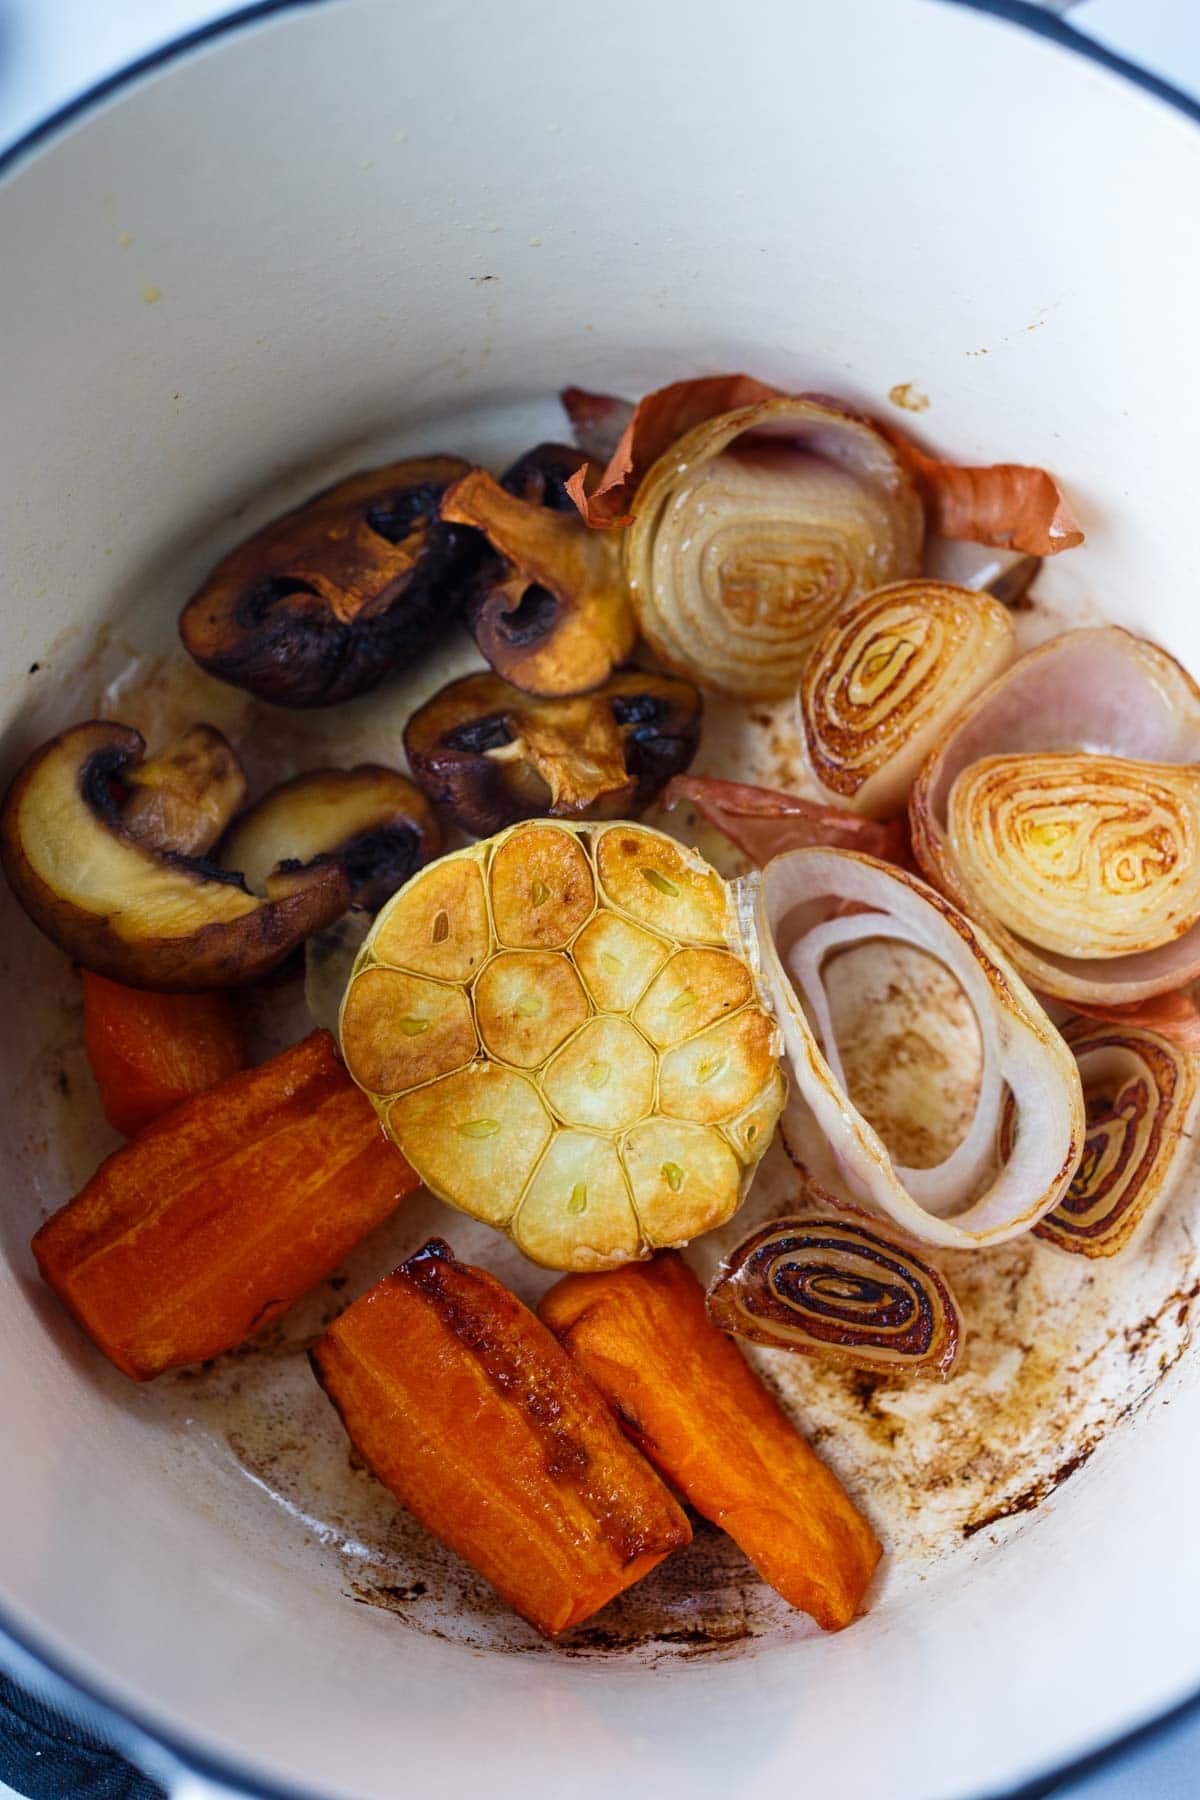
(490, 755)
(322, 603)
(374, 823)
(548, 608)
(183, 799)
(125, 910)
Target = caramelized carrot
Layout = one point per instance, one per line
(687, 1397)
(150, 1051)
(219, 1215)
(484, 1429)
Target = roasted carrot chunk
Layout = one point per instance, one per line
(687, 1397)
(488, 1433)
(219, 1215)
(150, 1051)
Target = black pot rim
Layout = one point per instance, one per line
(123, 1728)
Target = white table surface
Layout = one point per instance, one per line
(51, 50)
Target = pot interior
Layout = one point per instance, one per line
(296, 285)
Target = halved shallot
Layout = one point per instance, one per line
(813, 902)
(764, 822)
(753, 530)
(1140, 1093)
(884, 680)
(1085, 869)
(1087, 856)
(840, 1290)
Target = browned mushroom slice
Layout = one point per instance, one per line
(321, 603)
(371, 820)
(491, 755)
(183, 799)
(121, 908)
(549, 610)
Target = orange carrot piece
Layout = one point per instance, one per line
(222, 1213)
(688, 1398)
(150, 1051)
(485, 1430)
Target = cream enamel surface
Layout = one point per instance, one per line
(320, 234)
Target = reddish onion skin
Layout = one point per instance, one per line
(1173, 1016)
(1140, 1094)
(834, 1288)
(763, 822)
(1010, 505)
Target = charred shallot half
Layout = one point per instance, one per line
(1140, 1093)
(848, 1293)
(752, 532)
(811, 903)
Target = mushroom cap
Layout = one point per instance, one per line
(560, 1029)
(126, 908)
(489, 755)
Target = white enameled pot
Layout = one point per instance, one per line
(335, 228)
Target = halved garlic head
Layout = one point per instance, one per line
(1086, 856)
(754, 529)
(885, 678)
(561, 1030)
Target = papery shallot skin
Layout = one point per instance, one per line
(763, 822)
(812, 902)
(1012, 506)
(1100, 691)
